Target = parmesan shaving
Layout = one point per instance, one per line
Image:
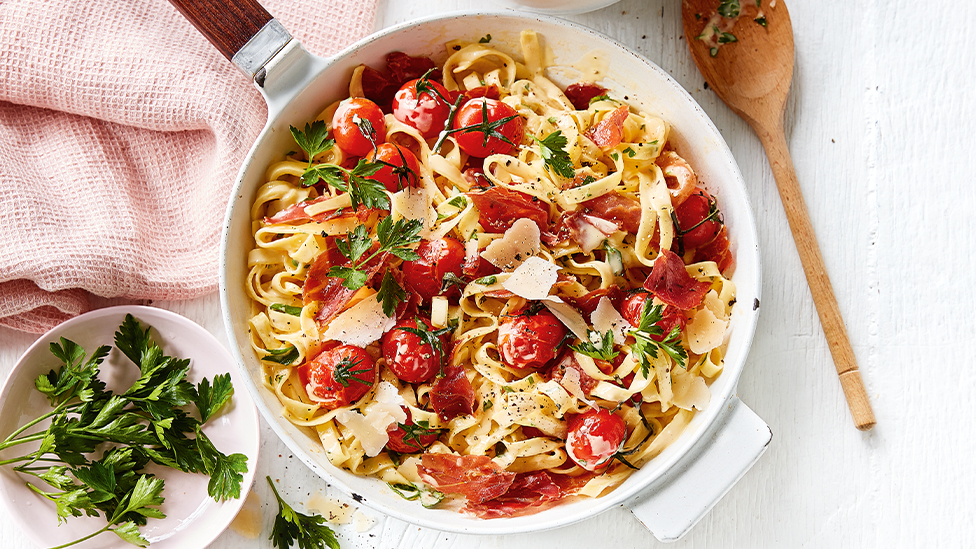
(533, 279)
(605, 319)
(360, 325)
(705, 332)
(438, 311)
(690, 391)
(520, 242)
(384, 412)
(571, 381)
(414, 203)
(568, 316)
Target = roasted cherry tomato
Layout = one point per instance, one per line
(717, 251)
(487, 127)
(594, 437)
(699, 220)
(633, 307)
(410, 438)
(405, 169)
(411, 358)
(530, 340)
(425, 276)
(340, 376)
(352, 122)
(427, 111)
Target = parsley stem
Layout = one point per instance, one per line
(29, 438)
(79, 540)
(450, 122)
(9, 440)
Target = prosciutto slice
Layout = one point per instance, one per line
(608, 133)
(671, 283)
(297, 212)
(328, 290)
(404, 67)
(499, 208)
(624, 212)
(529, 493)
(452, 394)
(477, 478)
(581, 93)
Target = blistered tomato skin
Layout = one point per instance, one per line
(633, 307)
(530, 341)
(594, 437)
(340, 376)
(409, 357)
(404, 171)
(427, 112)
(698, 220)
(347, 125)
(425, 276)
(479, 135)
(411, 440)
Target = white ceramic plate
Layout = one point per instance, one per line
(193, 519)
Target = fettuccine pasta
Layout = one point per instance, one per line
(488, 277)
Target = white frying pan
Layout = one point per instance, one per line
(671, 492)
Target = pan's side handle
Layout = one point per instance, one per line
(242, 30)
(670, 509)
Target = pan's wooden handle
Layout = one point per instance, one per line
(774, 141)
(227, 24)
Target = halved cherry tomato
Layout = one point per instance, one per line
(427, 111)
(425, 276)
(530, 340)
(699, 220)
(594, 437)
(341, 375)
(350, 122)
(633, 307)
(411, 358)
(405, 169)
(408, 437)
(487, 127)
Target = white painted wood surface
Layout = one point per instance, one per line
(880, 123)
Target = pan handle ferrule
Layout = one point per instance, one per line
(264, 45)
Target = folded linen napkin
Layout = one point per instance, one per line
(121, 133)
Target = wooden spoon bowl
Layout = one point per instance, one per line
(746, 57)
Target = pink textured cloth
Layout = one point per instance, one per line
(121, 133)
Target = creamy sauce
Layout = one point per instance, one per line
(332, 509)
(362, 522)
(248, 521)
(593, 66)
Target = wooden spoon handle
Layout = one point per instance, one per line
(778, 154)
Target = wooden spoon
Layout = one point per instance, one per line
(750, 69)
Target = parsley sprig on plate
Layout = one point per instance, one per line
(358, 182)
(644, 345)
(147, 423)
